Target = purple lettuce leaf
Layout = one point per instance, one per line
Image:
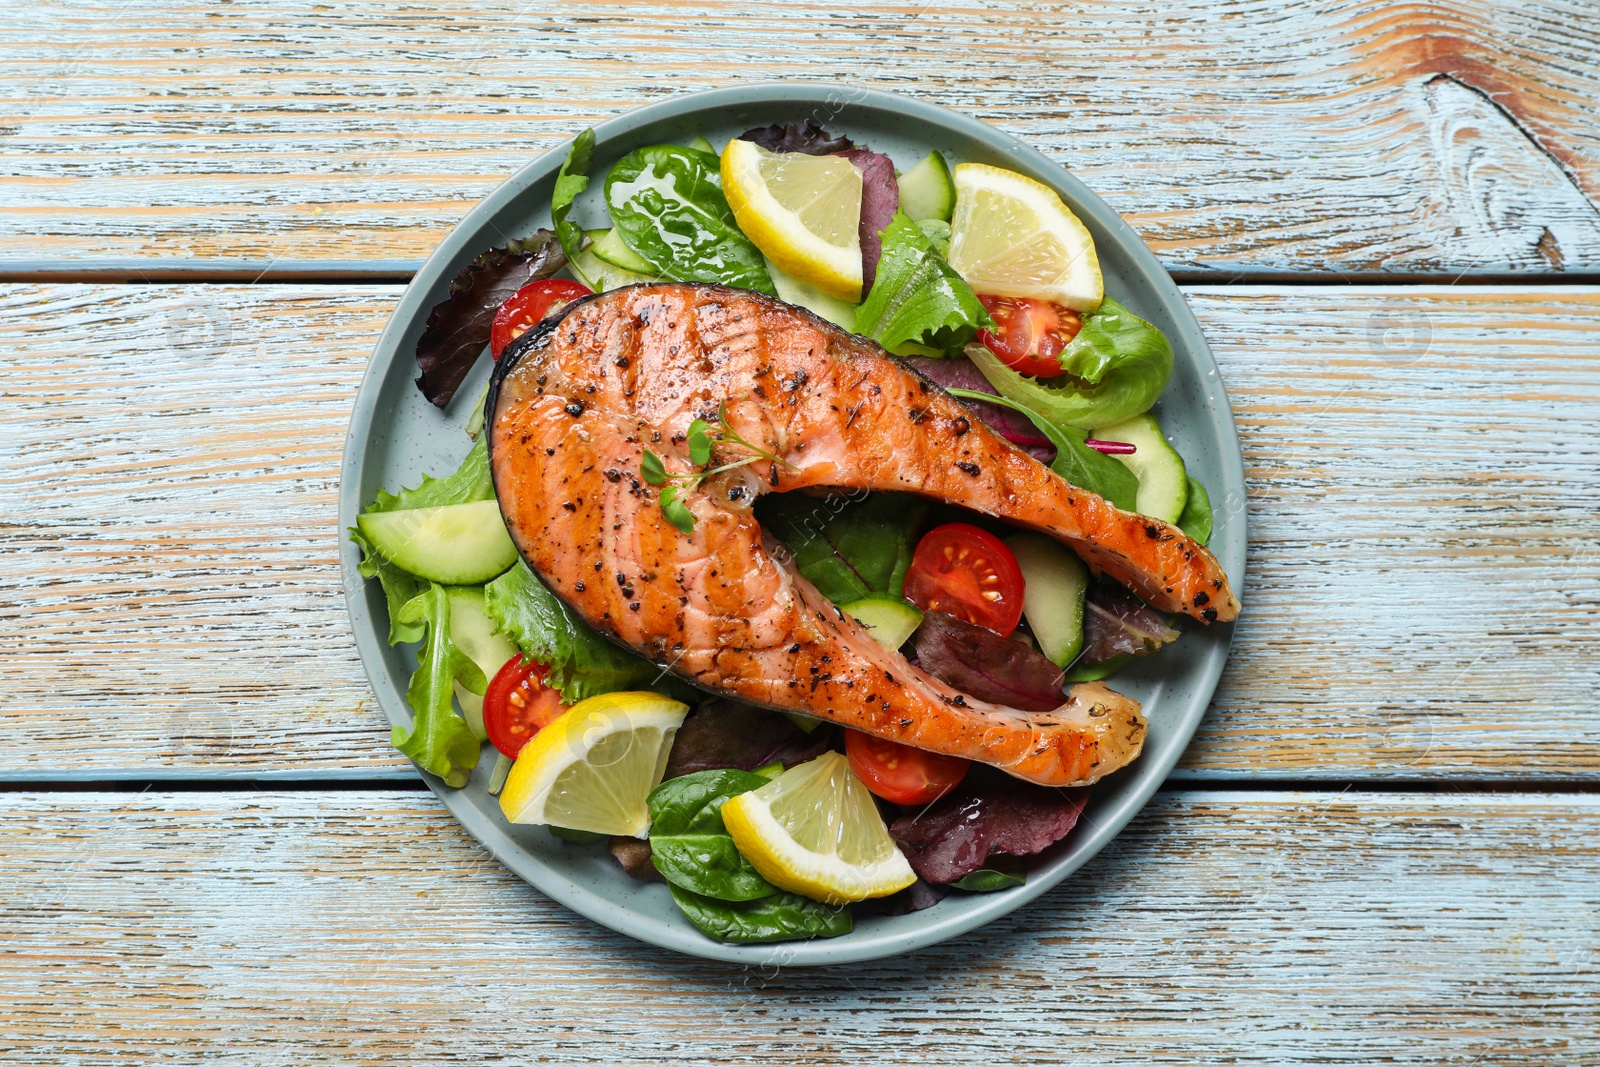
(914, 897)
(988, 813)
(634, 857)
(983, 664)
(723, 734)
(880, 199)
(805, 137)
(458, 326)
(1117, 623)
(962, 373)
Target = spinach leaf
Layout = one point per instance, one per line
(1196, 518)
(780, 917)
(582, 663)
(667, 204)
(847, 549)
(688, 842)
(1001, 872)
(1113, 369)
(439, 740)
(571, 181)
(470, 482)
(1075, 461)
(916, 297)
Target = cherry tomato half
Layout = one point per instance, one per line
(1029, 335)
(899, 773)
(528, 306)
(518, 704)
(969, 573)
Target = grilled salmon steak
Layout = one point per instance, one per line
(579, 399)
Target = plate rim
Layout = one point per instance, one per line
(418, 298)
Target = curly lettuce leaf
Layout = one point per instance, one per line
(457, 331)
(440, 741)
(582, 663)
(1114, 369)
(847, 549)
(916, 298)
(667, 204)
(572, 180)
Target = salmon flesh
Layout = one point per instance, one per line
(579, 399)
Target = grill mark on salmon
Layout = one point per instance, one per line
(630, 369)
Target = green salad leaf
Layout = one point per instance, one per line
(468, 483)
(667, 205)
(688, 842)
(916, 297)
(780, 917)
(1196, 518)
(1075, 461)
(440, 741)
(582, 663)
(572, 180)
(1115, 368)
(848, 549)
(1000, 872)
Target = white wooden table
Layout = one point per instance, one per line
(1384, 844)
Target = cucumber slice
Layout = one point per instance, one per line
(458, 544)
(1163, 482)
(1055, 584)
(792, 290)
(601, 276)
(609, 246)
(926, 191)
(891, 621)
(703, 145)
(473, 633)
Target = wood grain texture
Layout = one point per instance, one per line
(1442, 136)
(1424, 573)
(365, 927)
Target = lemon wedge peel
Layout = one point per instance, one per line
(803, 212)
(814, 830)
(1013, 236)
(594, 766)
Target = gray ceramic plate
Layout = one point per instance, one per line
(395, 436)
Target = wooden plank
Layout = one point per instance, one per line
(366, 927)
(1420, 603)
(1436, 136)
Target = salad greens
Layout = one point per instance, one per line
(688, 842)
(667, 204)
(582, 663)
(807, 137)
(1001, 872)
(440, 741)
(1196, 518)
(780, 917)
(1115, 368)
(916, 296)
(848, 549)
(572, 180)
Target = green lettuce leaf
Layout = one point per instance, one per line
(582, 663)
(468, 483)
(847, 549)
(440, 741)
(1075, 461)
(667, 204)
(572, 180)
(780, 917)
(1114, 369)
(916, 297)
(1196, 518)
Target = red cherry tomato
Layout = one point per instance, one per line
(528, 306)
(518, 704)
(1029, 335)
(899, 773)
(969, 573)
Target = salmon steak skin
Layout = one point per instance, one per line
(576, 402)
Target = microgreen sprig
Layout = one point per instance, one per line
(701, 447)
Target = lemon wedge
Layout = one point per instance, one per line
(814, 830)
(1012, 236)
(803, 212)
(594, 766)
